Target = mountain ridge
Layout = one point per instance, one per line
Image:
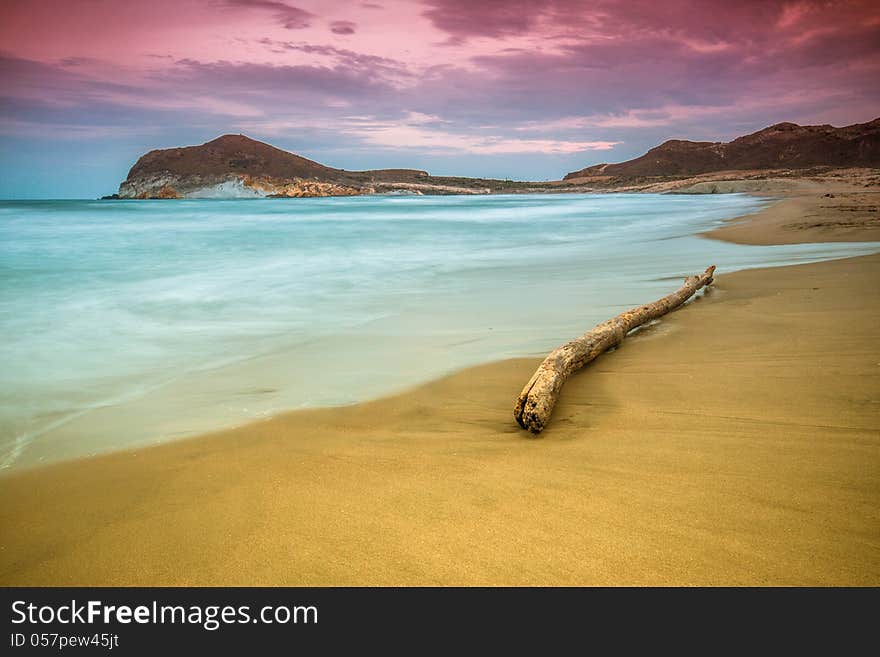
(782, 145)
(237, 166)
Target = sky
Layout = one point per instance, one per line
(528, 90)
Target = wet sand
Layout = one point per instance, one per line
(811, 213)
(736, 442)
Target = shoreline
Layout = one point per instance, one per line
(393, 350)
(846, 215)
(769, 478)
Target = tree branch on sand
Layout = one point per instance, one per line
(536, 401)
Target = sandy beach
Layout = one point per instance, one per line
(820, 210)
(737, 442)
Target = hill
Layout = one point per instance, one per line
(238, 166)
(781, 146)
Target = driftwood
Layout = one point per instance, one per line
(536, 401)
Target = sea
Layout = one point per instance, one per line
(127, 323)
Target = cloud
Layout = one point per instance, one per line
(291, 18)
(706, 26)
(483, 82)
(422, 131)
(639, 65)
(12, 127)
(486, 18)
(343, 27)
(190, 88)
(627, 119)
(369, 65)
(278, 86)
(419, 131)
(637, 118)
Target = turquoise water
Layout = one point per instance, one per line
(129, 322)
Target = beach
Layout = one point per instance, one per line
(825, 210)
(734, 443)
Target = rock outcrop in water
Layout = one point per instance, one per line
(781, 146)
(235, 166)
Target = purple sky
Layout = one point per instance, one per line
(527, 90)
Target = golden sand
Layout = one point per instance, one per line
(846, 214)
(737, 442)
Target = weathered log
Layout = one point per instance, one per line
(536, 401)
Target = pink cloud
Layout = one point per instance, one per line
(291, 18)
(493, 78)
(492, 18)
(417, 130)
(343, 27)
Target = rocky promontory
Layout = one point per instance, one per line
(236, 166)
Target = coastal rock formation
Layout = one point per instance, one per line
(300, 188)
(235, 166)
(781, 146)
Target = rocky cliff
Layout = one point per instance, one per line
(237, 166)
